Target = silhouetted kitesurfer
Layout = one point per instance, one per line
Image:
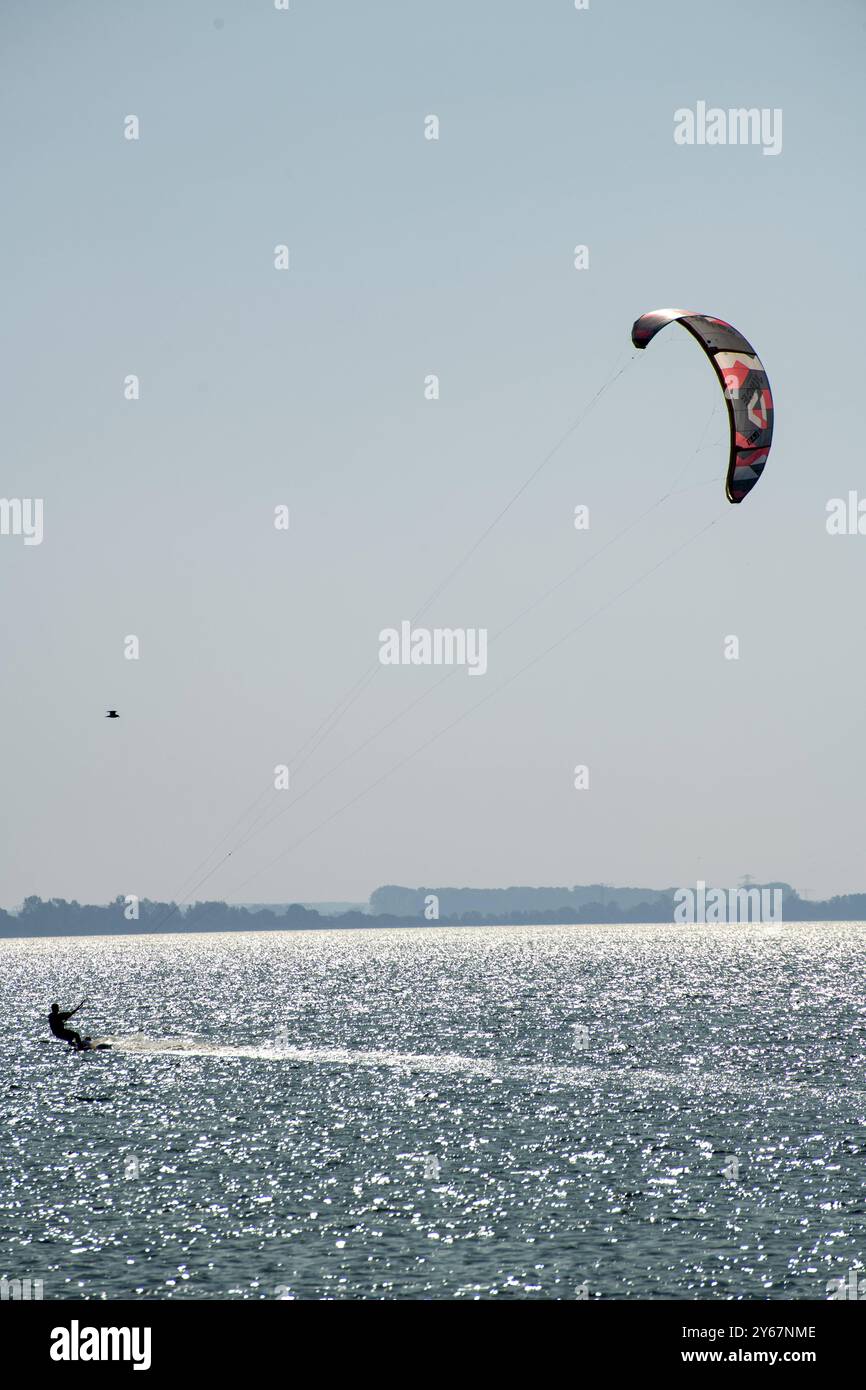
(57, 1021)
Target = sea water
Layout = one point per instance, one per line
(590, 1112)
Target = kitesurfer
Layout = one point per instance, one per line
(57, 1021)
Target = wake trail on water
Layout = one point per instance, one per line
(494, 1069)
(486, 1067)
(340, 1056)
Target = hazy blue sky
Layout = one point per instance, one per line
(306, 387)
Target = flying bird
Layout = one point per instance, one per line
(112, 714)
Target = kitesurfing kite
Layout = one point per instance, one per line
(745, 384)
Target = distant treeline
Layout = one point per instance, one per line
(497, 902)
(57, 917)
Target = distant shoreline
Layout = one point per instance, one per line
(126, 917)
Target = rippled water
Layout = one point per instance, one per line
(552, 1112)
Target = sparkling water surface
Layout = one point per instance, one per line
(553, 1112)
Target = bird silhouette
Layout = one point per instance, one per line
(112, 714)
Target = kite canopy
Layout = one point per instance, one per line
(745, 384)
